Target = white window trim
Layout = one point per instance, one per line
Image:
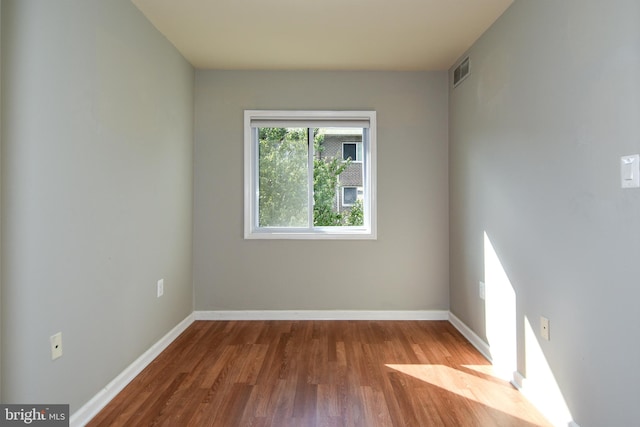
(312, 118)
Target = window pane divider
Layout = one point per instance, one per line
(310, 143)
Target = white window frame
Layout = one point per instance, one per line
(284, 118)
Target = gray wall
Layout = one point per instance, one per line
(405, 269)
(96, 193)
(536, 135)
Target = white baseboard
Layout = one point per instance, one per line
(322, 315)
(90, 409)
(471, 336)
(518, 380)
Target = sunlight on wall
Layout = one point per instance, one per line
(500, 313)
(541, 388)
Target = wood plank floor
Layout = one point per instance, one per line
(319, 374)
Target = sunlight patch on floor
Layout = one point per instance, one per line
(500, 396)
(487, 370)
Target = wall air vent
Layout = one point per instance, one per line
(461, 72)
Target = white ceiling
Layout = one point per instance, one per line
(322, 34)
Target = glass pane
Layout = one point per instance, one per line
(350, 195)
(331, 173)
(349, 152)
(283, 185)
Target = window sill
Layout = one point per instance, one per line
(355, 234)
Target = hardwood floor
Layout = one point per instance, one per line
(320, 374)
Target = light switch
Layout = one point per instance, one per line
(630, 171)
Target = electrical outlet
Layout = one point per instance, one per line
(56, 345)
(544, 328)
(481, 289)
(160, 288)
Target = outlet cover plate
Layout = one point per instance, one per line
(160, 288)
(544, 328)
(56, 345)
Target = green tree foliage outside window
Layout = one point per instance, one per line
(283, 178)
(355, 215)
(283, 181)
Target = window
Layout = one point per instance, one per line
(349, 196)
(352, 151)
(293, 166)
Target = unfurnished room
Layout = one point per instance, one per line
(320, 213)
